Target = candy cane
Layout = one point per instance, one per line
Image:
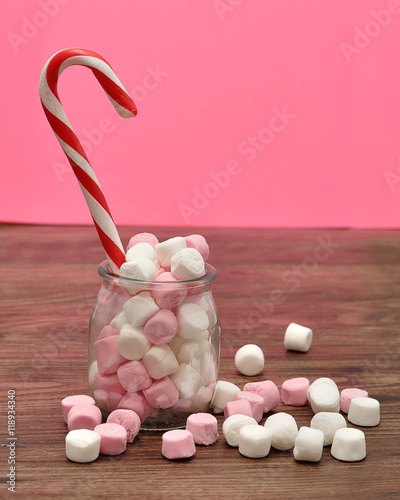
(68, 140)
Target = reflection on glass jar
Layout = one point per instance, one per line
(154, 348)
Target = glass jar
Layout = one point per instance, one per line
(154, 348)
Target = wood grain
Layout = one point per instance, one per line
(344, 284)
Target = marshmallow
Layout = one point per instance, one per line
(321, 380)
(298, 338)
(201, 401)
(84, 416)
(107, 400)
(328, 423)
(349, 445)
(160, 361)
(162, 393)
(187, 264)
(268, 391)
(308, 445)
(324, 397)
(140, 269)
(249, 360)
(283, 429)
(232, 425)
(294, 391)
(162, 327)
(178, 444)
(198, 242)
(256, 403)
(238, 406)
(176, 343)
(82, 445)
(140, 308)
(109, 383)
(199, 354)
(187, 380)
(132, 344)
(204, 428)
(113, 438)
(133, 376)
(107, 331)
(119, 321)
(142, 238)
(192, 320)
(107, 355)
(136, 402)
(129, 420)
(70, 401)
(347, 395)
(224, 392)
(143, 251)
(168, 248)
(254, 441)
(170, 295)
(364, 411)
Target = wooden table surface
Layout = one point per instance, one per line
(343, 284)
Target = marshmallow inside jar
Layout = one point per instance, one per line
(154, 334)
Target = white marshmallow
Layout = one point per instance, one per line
(249, 360)
(199, 354)
(232, 425)
(93, 369)
(328, 423)
(349, 445)
(321, 380)
(224, 392)
(82, 445)
(324, 397)
(143, 251)
(168, 248)
(364, 411)
(160, 361)
(308, 445)
(140, 308)
(132, 343)
(119, 321)
(187, 380)
(254, 441)
(192, 320)
(187, 264)
(283, 429)
(140, 269)
(175, 344)
(298, 338)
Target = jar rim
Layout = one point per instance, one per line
(209, 276)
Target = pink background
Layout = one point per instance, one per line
(225, 71)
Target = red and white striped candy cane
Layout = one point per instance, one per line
(68, 140)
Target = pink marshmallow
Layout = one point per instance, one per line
(161, 271)
(142, 238)
(113, 438)
(107, 331)
(107, 355)
(136, 402)
(170, 295)
(347, 395)
(109, 383)
(162, 327)
(162, 393)
(198, 242)
(178, 444)
(237, 407)
(129, 420)
(256, 402)
(204, 428)
(294, 391)
(133, 376)
(84, 416)
(70, 401)
(107, 400)
(268, 391)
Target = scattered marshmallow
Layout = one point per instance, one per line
(162, 393)
(113, 438)
(133, 376)
(140, 308)
(347, 395)
(232, 425)
(224, 392)
(162, 327)
(283, 429)
(178, 444)
(204, 428)
(160, 361)
(308, 445)
(298, 338)
(142, 238)
(294, 391)
(187, 264)
(129, 420)
(84, 416)
(254, 441)
(256, 403)
(70, 401)
(82, 445)
(238, 407)
(141, 251)
(187, 380)
(249, 360)
(140, 269)
(107, 355)
(349, 445)
(324, 397)
(268, 391)
(168, 248)
(132, 343)
(364, 411)
(170, 295)
(328, 423)
(192, 320)
(198, 242)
